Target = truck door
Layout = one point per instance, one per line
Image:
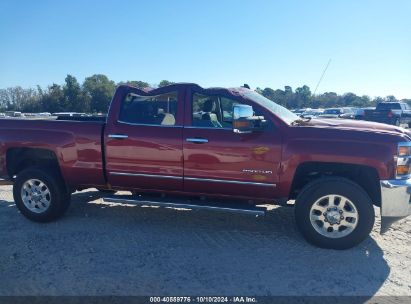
(218, 161)
(143, 139)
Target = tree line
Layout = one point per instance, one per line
(95, 93)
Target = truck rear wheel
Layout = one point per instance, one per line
(334, 213)
(40, 195)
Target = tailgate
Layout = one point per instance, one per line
(376, 114)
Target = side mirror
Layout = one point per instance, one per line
(244, 121)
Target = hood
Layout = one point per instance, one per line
(358, 125)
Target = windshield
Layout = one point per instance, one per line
(283, 113)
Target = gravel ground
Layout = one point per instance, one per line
(118, 249)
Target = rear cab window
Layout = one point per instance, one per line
(160, 110)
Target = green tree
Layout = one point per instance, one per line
(390, 98)
(19, 99)
(136, 83)
(12, 98)
(325, 100)
(74, 99)
(164, 83)
(303, 96)
(52, 99)
(31, 101)
(268, 93)
(99, 90)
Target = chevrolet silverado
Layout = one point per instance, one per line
(220, 149)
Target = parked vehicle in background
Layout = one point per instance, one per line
(348, 113)
(241, 152)
(392, 113)
(360, 112)
(44, 114)
(298, 111)
(312, 113)
(69, 114)
(14, 114)
(29, 115)
(338, 113)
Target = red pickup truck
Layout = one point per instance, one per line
(232, 148)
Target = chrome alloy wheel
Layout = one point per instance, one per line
(35, 195)
(334, 216)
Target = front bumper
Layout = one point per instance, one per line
(395, 201)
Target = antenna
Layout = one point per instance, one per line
(322, 76)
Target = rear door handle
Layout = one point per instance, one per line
(197, 140)
(118, 136)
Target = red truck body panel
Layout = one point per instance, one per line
(260, 165)
(250, 161)
(77, 146)
(318, 144)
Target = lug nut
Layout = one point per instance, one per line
(341, 217)
(341, 211)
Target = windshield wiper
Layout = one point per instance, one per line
(300, 121)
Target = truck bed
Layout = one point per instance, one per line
(76, 144)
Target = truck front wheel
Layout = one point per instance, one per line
(334, 213)
(40, 195)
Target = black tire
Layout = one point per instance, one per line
(342, 187)
(59, 196)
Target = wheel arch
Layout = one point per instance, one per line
(365, 176)
(18, 159)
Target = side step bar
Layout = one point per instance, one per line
(211, 207)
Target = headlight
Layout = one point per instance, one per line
(403, 169)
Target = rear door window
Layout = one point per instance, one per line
(158, 110)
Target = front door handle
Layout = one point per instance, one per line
(197, 140)
(118, 136)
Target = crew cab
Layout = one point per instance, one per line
(220, 149)
(392, 113)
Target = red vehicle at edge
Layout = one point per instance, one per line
(233, 146)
